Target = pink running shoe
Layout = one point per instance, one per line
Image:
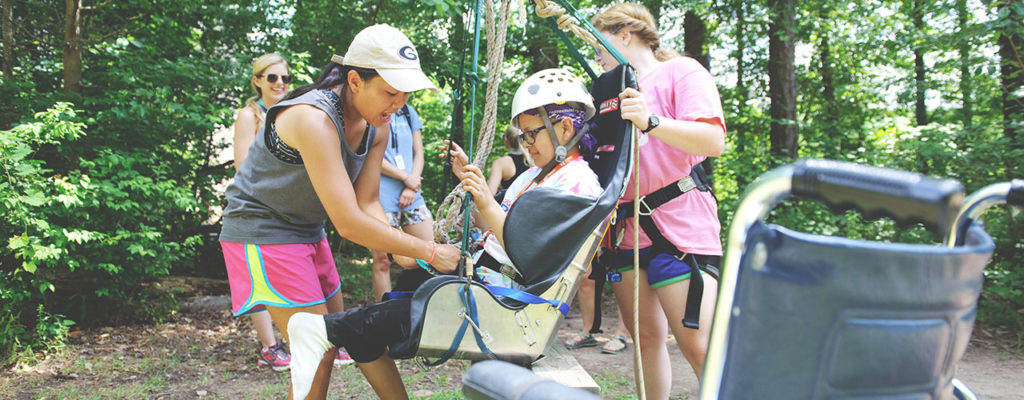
(342, 358)
(275, 357)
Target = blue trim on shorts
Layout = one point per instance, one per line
(336, 290)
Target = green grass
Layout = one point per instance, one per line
(453, 394)
(614, 386)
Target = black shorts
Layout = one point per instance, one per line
(367, 332)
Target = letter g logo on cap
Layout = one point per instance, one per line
(408, 53)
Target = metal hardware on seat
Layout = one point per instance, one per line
(523, 320)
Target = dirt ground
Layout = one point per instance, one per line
(202, 352)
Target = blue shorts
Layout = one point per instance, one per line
(662, 269)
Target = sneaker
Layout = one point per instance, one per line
(275, 357)
(343, 358)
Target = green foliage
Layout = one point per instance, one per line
(114, 186)
(34, 246)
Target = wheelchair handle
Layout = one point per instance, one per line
(1015, 197)
(1011, 193)
(905, 197)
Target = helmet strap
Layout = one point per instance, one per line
(561, 151)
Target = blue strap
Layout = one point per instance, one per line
(517, 295)
(451, 349)
(470, 302)
(397, 295)
(528, 298)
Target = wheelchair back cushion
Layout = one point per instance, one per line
(824, 317)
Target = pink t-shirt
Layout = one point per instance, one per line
(679, 89)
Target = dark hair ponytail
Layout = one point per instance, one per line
(333, 74)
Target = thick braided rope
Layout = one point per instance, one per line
(545, 8)
(452, 206)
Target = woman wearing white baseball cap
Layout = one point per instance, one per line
(318, 156)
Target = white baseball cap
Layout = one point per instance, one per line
(387, 50)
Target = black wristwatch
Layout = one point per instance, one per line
(652, 123)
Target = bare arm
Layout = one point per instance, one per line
(387, 168)
(417, 154)
(309, 131)
(499, 170)
(245, 133)
(702, 137)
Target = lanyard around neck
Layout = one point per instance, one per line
(553, 170)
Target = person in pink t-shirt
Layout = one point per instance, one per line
(679, 114)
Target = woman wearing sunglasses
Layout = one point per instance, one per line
(319, 156)
(267, 71)
(551, 108)
(270, 81)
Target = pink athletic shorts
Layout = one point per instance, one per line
(279, 275)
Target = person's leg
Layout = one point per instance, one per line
(585, 300)
(365, 331)
(693, 343)
(381, 274)
(384, 377)
(264, 327)
(322, 375)
(620, 328)
(655, 360)
(423, 230)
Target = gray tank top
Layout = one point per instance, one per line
(273, 202)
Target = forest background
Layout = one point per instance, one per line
(109, 111)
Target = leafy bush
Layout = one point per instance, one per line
(35, 247)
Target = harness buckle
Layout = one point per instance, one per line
(645, 210)
(686, 184)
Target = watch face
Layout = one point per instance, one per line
(652, 123)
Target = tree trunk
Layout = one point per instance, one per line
(72, 46)
(1011, 71)
(742, 95)
(694, 37)
(828, 90)
(782, 78)
(963, 17)
(7, 13)
(920, 85)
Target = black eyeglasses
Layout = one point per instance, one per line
(273, 78)
(530, 136)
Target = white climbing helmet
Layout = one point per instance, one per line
(551, 86)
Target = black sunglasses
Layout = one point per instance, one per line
(530, 136)
(273, 78)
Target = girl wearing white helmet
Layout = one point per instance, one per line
(551, 107)
(680, 113)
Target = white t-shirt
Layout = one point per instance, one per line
(574, 176)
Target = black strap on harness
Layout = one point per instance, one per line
(659, 244)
